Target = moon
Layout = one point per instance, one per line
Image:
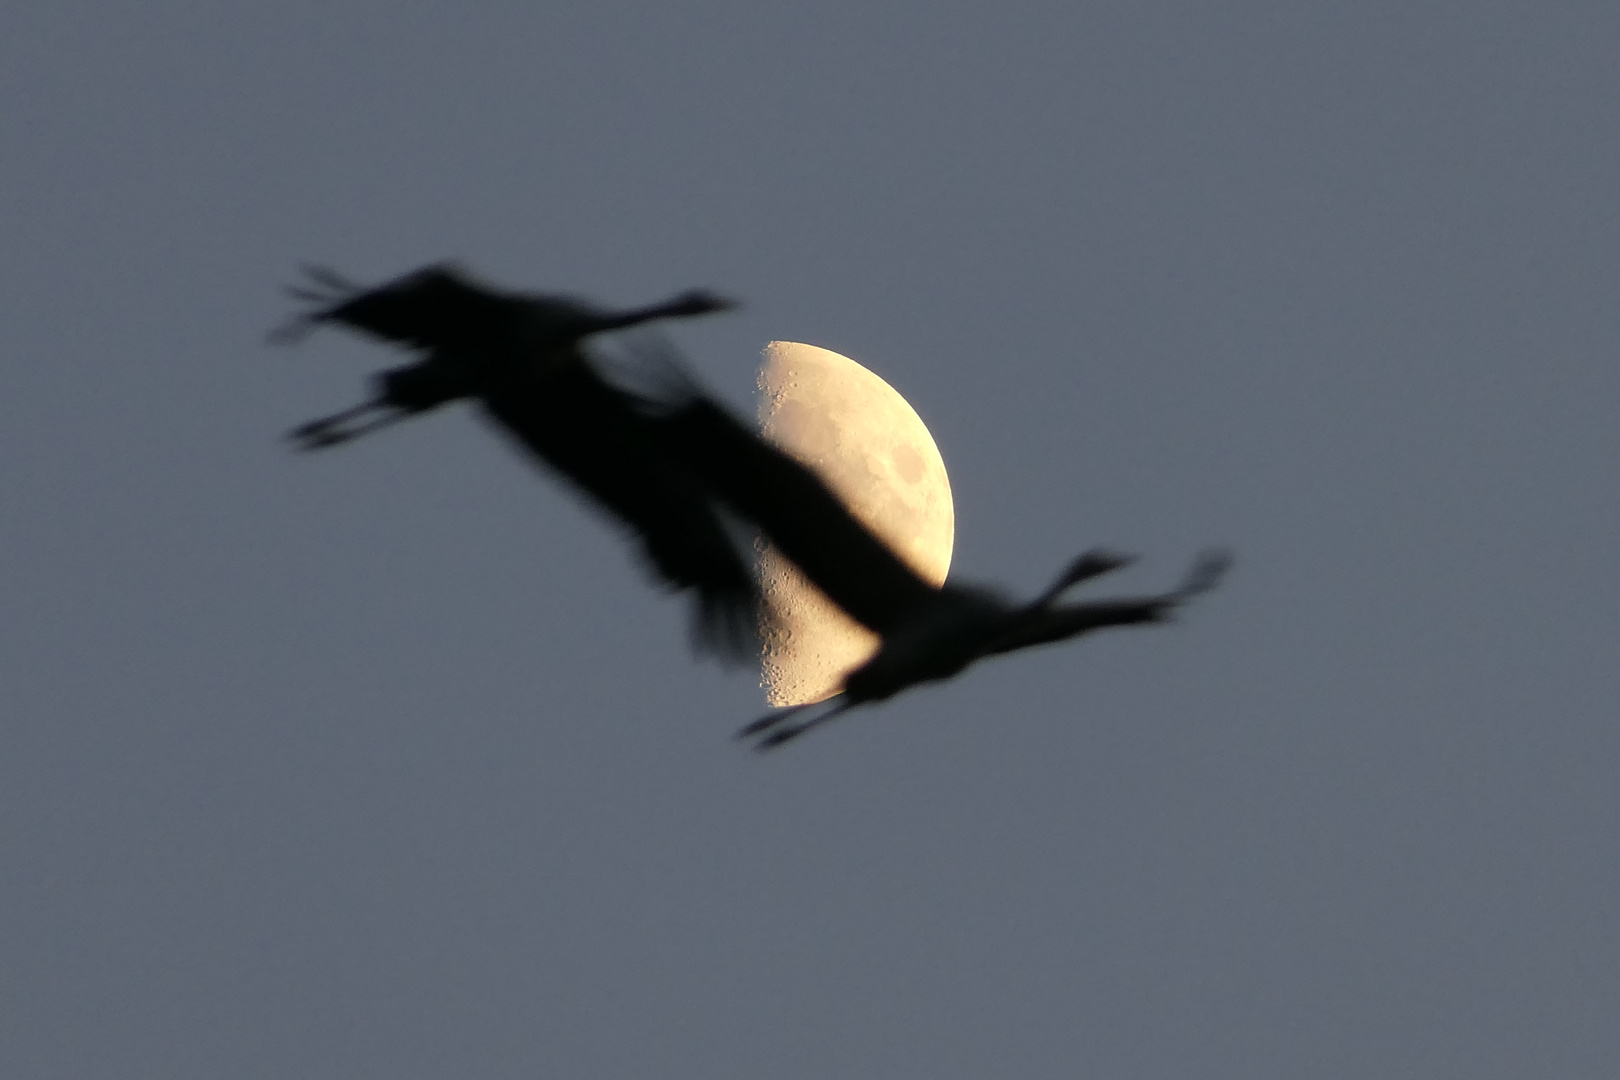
(873, 450)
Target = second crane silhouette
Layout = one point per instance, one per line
(926, 632)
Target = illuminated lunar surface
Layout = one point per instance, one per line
(872, 449)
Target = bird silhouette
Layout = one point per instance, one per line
(926, 632)
(670, 462)
(521, 357)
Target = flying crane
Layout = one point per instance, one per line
(926, 632)
(521, 357)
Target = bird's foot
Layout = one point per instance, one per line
(1206, 573)
(770, 720)
(774, 730)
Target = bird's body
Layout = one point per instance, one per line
(926, 632)
(520, 356)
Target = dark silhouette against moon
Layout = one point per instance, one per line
(866, 441)
(672, 463)
(927, 632)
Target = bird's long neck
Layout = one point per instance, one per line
(618, 320)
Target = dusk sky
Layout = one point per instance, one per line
(390, 762)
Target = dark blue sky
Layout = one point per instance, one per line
(388, 763)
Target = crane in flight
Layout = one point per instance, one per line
(926, 632)
(670, 461)
(521, 357)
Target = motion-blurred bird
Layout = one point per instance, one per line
(927, 632)
(668, 459)
(521, 357)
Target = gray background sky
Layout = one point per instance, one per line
(387, 763)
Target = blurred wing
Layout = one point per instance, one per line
(597, 436)
(795, 508)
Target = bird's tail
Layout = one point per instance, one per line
(1090, 564)
(343, 426)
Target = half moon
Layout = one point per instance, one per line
(873, 450)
